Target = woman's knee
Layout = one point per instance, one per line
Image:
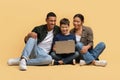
(79, 45)
(102, 44)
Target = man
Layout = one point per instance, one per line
(38, 44)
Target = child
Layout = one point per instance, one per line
(63, 36)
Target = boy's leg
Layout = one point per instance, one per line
(55, 56)
(70, 57)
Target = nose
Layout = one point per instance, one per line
(74, 23)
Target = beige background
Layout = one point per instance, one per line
(18, 17)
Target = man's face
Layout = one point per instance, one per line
(77, 22)
(51, 22)
(64, 29)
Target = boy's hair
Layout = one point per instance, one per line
(64, 21)
(50, 14)
(79, 16)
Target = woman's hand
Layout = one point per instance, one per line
(85, 49)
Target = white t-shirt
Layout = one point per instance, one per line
(78, 37)
(47, 42)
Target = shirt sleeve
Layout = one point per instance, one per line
(90, 36)
(35, 30)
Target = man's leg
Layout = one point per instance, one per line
(42, 58)
(28, 48)
(31, 43)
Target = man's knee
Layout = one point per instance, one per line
(48, 59)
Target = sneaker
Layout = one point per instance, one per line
(52, 63)
(82, 62)
(102, 63)
(13, 61)
(22, 65)
(74, 61)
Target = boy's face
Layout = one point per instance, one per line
(64, 29)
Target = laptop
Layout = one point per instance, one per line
(65, 47)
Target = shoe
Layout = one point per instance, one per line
(82, 62)
(22, 65)
(74, 61)
(13, 61)
(52, 63)
(102, 63)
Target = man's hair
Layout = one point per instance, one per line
(64, 21)
(79, 16)
(50, 14)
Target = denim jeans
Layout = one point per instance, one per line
(66, 58)
(92, 54)
(34, 54)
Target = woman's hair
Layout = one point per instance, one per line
(79, 16)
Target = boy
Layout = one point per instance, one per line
(63, 36)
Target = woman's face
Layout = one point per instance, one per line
(77, 23)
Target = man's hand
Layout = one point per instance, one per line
(32, 35)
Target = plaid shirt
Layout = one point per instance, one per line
(86, 37)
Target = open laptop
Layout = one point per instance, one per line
(65, 47)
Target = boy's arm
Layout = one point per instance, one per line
(54, 48)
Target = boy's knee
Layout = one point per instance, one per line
(77, 54)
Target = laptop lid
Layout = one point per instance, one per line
(65, 47)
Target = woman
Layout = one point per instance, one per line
(84, 38)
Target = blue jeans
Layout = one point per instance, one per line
(34, 54)
(66, 58)
(91, 54)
